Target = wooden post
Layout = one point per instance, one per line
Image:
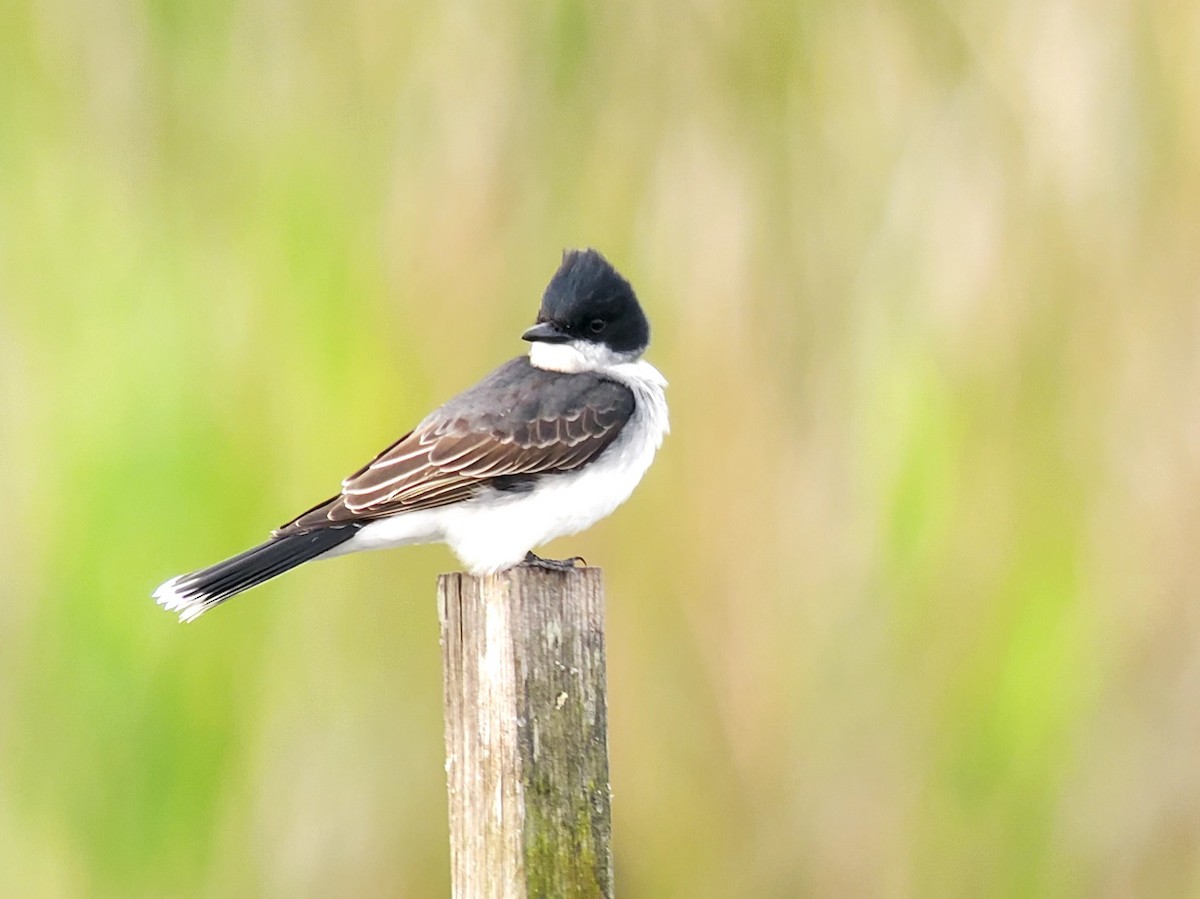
(526, 733)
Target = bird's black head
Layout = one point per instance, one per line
(588, 301)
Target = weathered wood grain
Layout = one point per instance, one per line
(526, 733)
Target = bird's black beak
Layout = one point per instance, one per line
(546, 332)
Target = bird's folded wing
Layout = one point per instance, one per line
(463, 448)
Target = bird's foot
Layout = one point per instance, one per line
(532, 561)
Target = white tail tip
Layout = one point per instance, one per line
(174, 596)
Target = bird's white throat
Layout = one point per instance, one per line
(575, 356)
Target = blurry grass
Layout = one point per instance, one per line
(905, 608)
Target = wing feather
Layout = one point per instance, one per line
(518, 421)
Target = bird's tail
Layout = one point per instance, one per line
(192, 594)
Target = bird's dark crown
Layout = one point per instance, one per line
(589, 300)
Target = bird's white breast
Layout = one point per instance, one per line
(491, 535)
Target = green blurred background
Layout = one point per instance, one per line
(908, 604)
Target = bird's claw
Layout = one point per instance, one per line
(532, 561)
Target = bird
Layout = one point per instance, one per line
(545, 446)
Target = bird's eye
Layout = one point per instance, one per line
(596, 325)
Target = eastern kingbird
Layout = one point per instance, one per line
(544, 446)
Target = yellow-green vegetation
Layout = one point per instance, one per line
(908, 606)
